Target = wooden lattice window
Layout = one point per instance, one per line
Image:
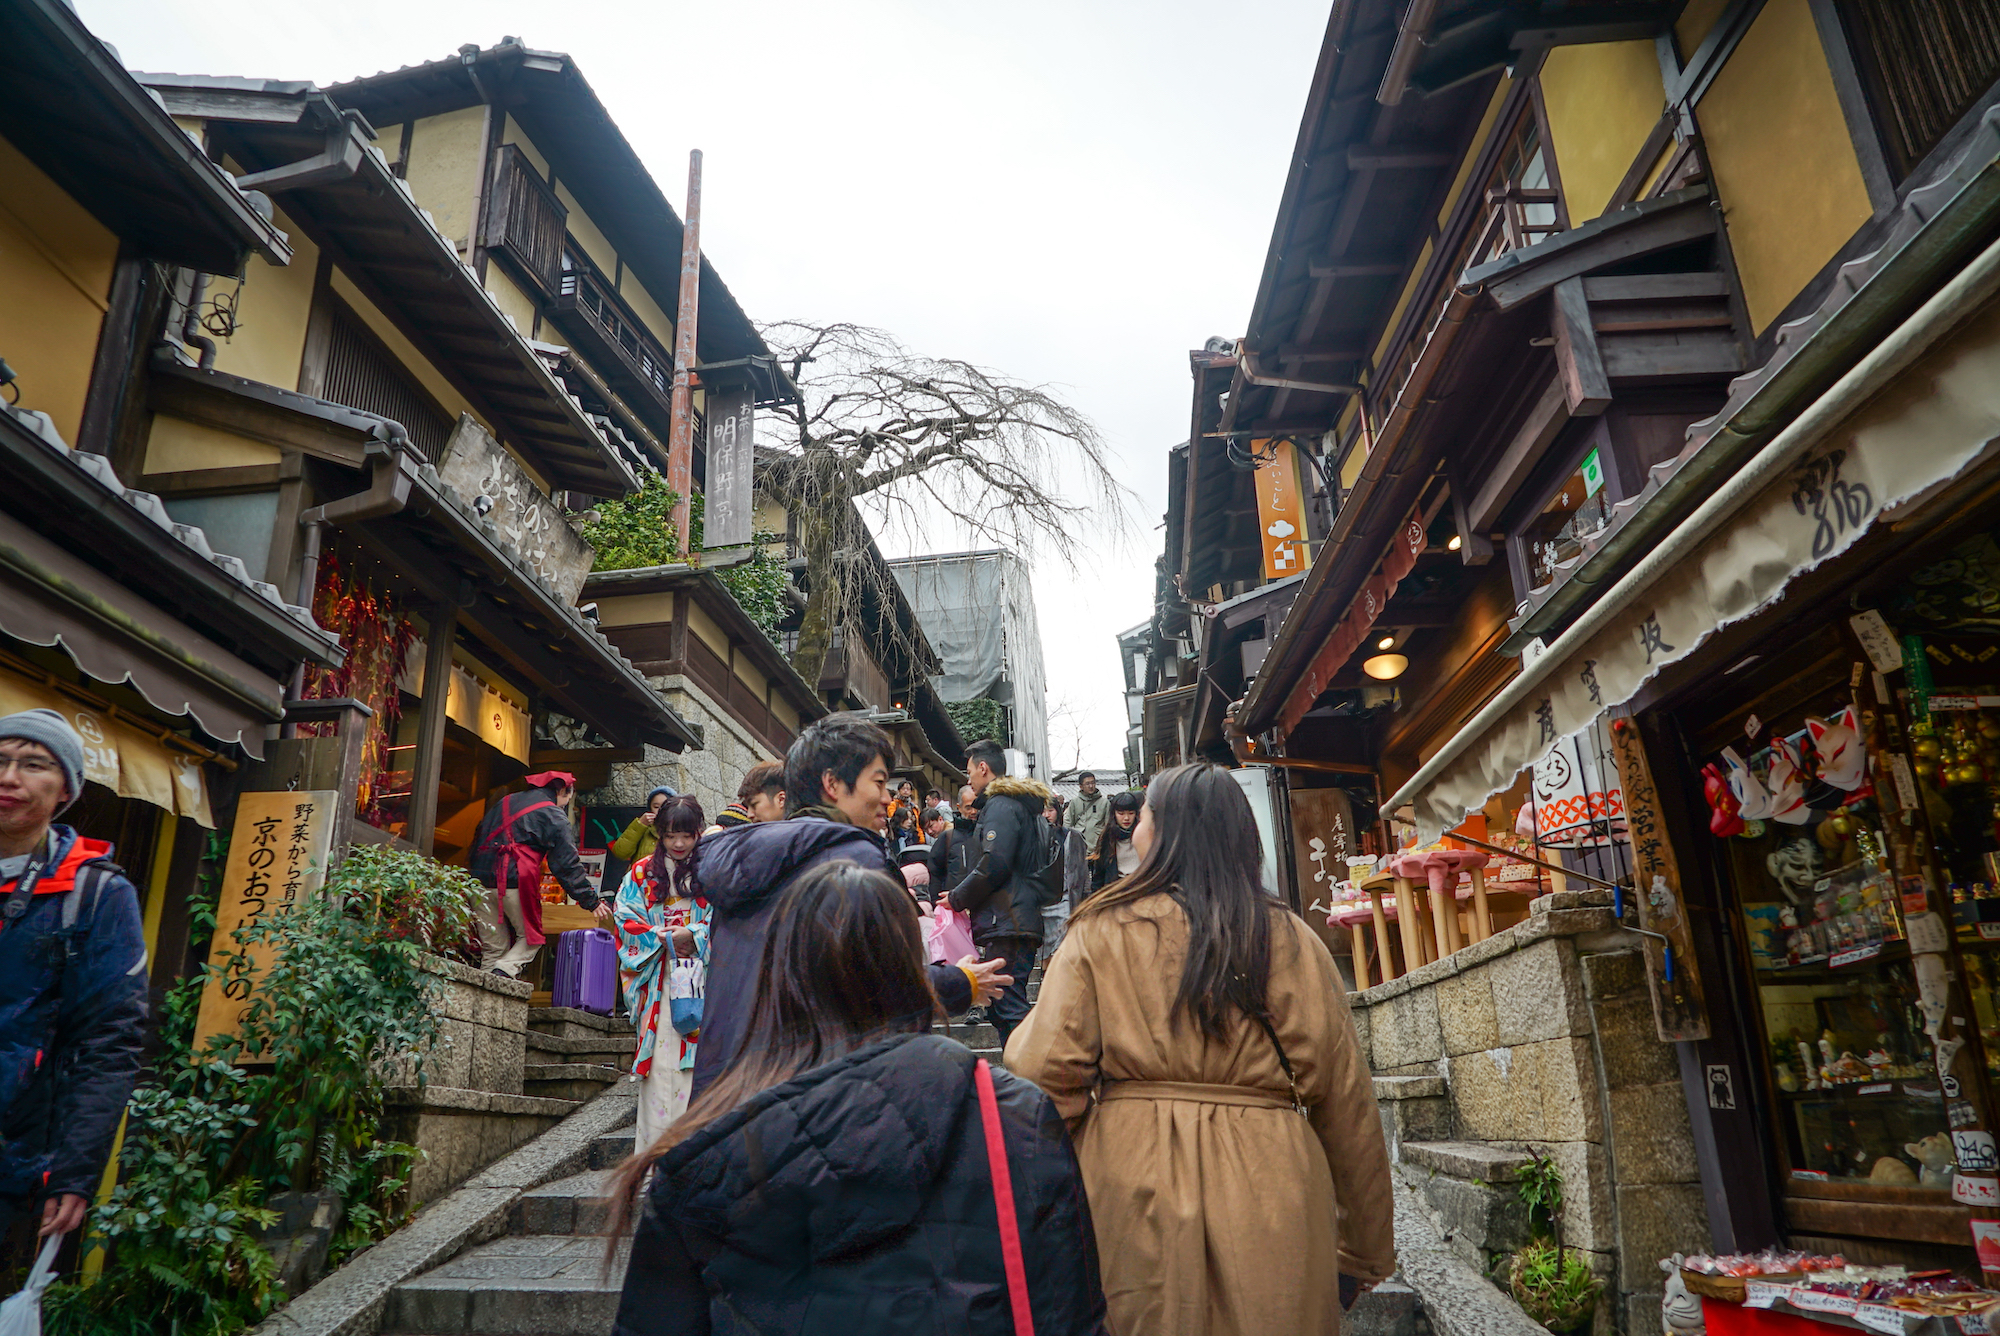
(525, 219)
(360, 372)
(1926, 63)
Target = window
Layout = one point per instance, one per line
(1521, 198)
(361, 373)
(1556, 533)
(1926, 62)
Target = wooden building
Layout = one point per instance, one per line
(1633, 365)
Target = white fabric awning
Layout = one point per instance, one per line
(1807, 497)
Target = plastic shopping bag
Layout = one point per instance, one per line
(686, 987)
(954, 935)
(21, 1315)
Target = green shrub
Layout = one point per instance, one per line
(291, 1102)
(976, 719)
(638, 530)
(1553, 1286)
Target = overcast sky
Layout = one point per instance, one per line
(1074, 193)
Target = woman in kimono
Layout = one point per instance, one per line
(661, 916)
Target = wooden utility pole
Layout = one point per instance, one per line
(680, 440)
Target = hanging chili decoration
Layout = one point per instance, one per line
(375, 631)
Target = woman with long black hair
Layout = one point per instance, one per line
(1187, 1024)
(837, 1178)
(661, 919)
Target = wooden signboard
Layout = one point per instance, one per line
(1322, 841)
(730, 505)
(278, 852)
(1679, 1011)
(529, 523)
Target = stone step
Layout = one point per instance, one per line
(567, 1080)
(1410, 1087)
(571, 1023)
(1390, 1309)
(609, 1050)
(1473, 1161)
(611, 1150)
(573, 1205)
(520, 1285)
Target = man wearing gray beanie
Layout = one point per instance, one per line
(72, 981)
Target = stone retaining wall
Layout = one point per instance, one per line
(1542, 1038)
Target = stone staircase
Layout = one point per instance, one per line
(548, 1275)
(575, 1054)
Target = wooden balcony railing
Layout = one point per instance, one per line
(525, 221)
(618, 347)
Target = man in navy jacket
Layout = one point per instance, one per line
(72, 982)
(836, 790)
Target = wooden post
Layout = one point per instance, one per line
(1482, 918)
(427, 771)
(1406, 923)
(1680, 1012)
(1383, 954)
(1444, 903)
(1359, 954)
(680, 437)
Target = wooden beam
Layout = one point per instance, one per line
(1474, 547)
(1544, 420)
(1655, 287)
(1673, 354)
(1664, 230)
(213, 482)
(1577, 358)
(1361, 158)
(1371, 269)
(427, 771)
(1305, 352)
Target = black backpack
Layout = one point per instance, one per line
(1048, 879)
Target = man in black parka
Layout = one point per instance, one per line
(1002, 892)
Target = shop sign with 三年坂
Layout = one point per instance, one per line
(1679, 1011)
(1280, 517)
(278, 850)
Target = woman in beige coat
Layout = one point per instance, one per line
(1163, 1033)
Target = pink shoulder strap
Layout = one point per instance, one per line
(1003, 1202)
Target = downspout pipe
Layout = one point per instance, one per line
(1965, 294)
(191, 333)
(393, 475)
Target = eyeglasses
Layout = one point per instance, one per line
(29, 766)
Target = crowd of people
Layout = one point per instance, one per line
(1183, 1139)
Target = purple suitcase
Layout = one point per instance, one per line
(587, 971)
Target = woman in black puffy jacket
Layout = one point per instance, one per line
(835, 1180)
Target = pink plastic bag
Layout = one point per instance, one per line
(947, 936)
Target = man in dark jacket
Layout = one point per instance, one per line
(518, 835)
(72, 982)
(1001, 891)
(837, 787)
(952, 854)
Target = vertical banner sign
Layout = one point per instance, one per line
(1322, 842)
(1679, 1011)
(1279, 514)
(728, 511)
(277, 856)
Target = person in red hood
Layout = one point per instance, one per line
(519, 834)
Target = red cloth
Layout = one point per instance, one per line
(1723, 1318)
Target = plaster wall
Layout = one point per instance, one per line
(1785, 168)
(177, 444)
(444, 169)
(705, 627)
(648, 310)
(585, 233)
(273, 306)
(512, 133)
(56, 262)
(1602, 99)
(516, 305)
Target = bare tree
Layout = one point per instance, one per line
(925, 444)
(1066, 731)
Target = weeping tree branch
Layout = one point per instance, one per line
(939, 450)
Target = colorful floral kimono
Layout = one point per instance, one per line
(646, 957)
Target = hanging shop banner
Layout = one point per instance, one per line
(728, 508)
(278, 849)
(1280, 516)
(1679, 1010)
(1933, 422)
(119, 755)
(1573, 803)
(1369, 603)
(472, 705)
